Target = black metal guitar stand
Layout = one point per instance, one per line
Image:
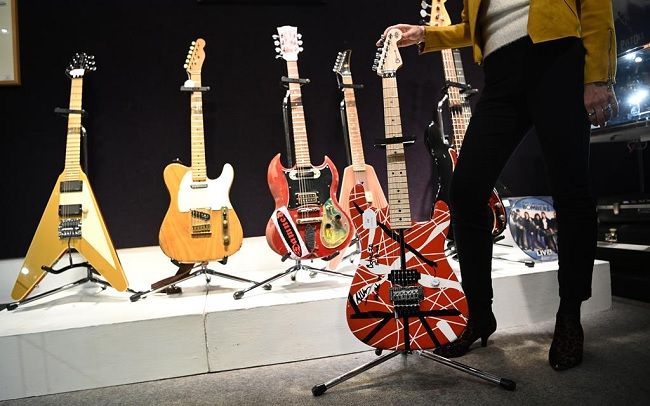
(188, 271)
(505, 383)
(89, 278)
(292, 270)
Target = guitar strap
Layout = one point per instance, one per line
(289, 233)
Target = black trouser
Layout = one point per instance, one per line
(527, 85)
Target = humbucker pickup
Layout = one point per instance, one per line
(307, 198)
(68, 210)
(70, 186)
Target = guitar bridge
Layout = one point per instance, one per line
(308, 220)
(69, 228)
(200, 222)
(405, 294)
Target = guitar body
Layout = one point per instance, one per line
(200, 224)
(314, 230)
(374, 195)
(47, 248)
(371, 315)
(445, 158)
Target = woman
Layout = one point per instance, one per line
(548, 65)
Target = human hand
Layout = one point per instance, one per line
(411, 34)
(600, 103)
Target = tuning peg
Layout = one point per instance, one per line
(425, 5)
(299, 42)
(424, 14)
(275, 36)
(374, 68)
(185, 65)
(300, 49)
(193, 43)
(278, 50)
(299, 36)
(278, 56)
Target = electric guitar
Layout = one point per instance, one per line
(200, 224)
(308, 221)
(404, 295)
(72, 219)
(445, 155)
(359, 173)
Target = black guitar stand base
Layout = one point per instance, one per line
(89, 278)
(185, 272)
(292, 270)
(505, 383)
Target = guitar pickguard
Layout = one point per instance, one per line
(209, 194)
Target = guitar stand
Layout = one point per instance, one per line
(90, 277)
(168, 285)
(505, 383)
(292, 270)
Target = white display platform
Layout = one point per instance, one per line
(85, 338)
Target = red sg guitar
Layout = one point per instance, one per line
(307, 221)
(404, 295)
(445, 155)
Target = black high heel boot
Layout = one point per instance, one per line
(568, 341)
(476, 328)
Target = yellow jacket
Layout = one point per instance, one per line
(591, 20)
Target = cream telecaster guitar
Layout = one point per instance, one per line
(72, 219)
(200, 224)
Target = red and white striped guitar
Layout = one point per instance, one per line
(404, 295)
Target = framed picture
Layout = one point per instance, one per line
(9, 59)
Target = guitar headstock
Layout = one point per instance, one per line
(388, 58)
(342, 64)
(436, 13)
(80, 64)
(195, 58)
(287, 43)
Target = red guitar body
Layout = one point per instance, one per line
(307, 221)
(371, 313)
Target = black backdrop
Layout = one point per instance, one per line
(138, 119)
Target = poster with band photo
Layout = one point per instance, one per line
(533, 225)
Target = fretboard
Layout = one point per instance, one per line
(197, 135)
(301, 146)
(458, 104)
(356, 147)
(398, 194)
(73, 144)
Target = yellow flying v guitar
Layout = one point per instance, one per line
(200, 224)
(72, 219)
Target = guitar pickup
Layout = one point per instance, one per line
(69, 210)
(307, 198)
(199, 185)
(70, 186)
(308, 220)
(201, 215)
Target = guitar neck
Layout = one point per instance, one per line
(398, 194)
(458, 104)
(73, 144)
(354, 132)
(301, 146)
(197, 135)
